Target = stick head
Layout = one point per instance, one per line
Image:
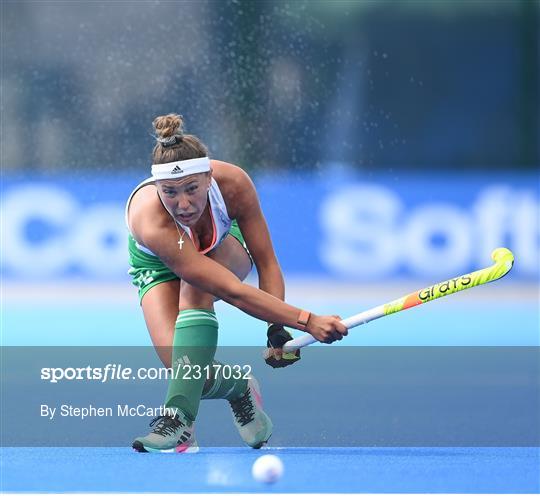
(503, 256)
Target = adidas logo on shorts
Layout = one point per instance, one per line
(177, 170)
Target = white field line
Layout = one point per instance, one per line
(275, 493)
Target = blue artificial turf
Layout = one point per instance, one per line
(377, 470)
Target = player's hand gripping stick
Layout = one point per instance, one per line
(503, 258)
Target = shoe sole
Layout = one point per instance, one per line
(141, 448)
(138, 446)
(260, 445)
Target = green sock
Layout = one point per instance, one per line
(194, 346)
(221, 388)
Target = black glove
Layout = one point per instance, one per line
(277, 337)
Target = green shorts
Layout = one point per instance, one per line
(147, 270)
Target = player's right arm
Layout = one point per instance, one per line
(158, 233)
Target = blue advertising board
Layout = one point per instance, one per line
(344, 227)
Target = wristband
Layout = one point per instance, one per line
(303, 319)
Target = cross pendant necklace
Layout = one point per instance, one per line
(181, 238)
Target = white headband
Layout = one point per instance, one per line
(182, 168)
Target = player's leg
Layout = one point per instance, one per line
(171, 432)
(195, 338)
(160, 310)
(159, 288)
(233, 254)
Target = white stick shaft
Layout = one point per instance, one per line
(349, 323)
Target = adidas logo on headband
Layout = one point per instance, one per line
(180, 168)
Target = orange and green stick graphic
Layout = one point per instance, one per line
(503, 258)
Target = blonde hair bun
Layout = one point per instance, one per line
(172, 144)
(167, 126)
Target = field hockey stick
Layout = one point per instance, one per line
(503, 258)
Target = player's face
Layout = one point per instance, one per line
(185, 199)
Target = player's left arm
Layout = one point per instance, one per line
(254, 228)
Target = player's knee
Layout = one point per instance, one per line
(191, 297)
(232, 255)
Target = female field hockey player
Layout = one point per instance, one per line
(196, 227)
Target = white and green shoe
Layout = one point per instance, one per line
(171, 433)
(254, 426)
